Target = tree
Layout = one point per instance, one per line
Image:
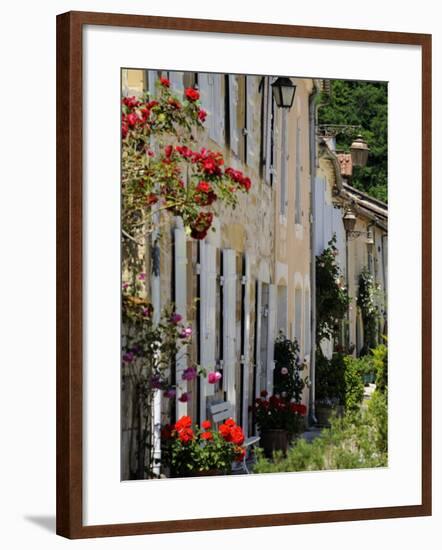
(366, 104)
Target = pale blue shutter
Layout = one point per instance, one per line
(229, 323)
(176, 82)
(271, 336)
(233, 114)
(207, 319)
(152, 79)
(284, 162)
(246, 338)
(252, 153)
(180, 252)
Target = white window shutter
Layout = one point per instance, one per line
(216, 129)
(271, 336)
(207, 318)
(152, 80)
(233, 114)
(284, 162)
(268, 100)
(180, 251)
(205, 90)
(229, 323)
(251, 97)
(176, 82)
(258, 359)
(246, 340)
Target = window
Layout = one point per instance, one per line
(307, 322)
(298, 316)
(282, 310)
(211, 89)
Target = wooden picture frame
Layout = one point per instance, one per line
(70, 269)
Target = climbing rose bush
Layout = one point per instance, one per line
(162, 170)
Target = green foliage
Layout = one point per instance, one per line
(365, 104)
(367, 302)
(380, 362)
(287, 380)
(332, 298)
(354, 441)
(354, 384)
(330, 379)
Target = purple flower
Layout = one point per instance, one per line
(128, 357)
(214, 377)
(146, 311)
(170, 393)
(184, 397)
(156, 382)
(175, 318)
(186, 333)
(189, 374)
(142, 277)
(126, 286)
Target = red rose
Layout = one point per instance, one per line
(168, 150)
(207, 436)
(202, 114)
(174, 103)
(204, 187)
(192, 94)
(201, 225)
(124, 130)
(206, 424)
(246, 183)
(165, 82)
(132, 119)
(131, 102)
(152, 104)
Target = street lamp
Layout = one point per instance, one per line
(283, 92)
(359, 151)
(349, 220)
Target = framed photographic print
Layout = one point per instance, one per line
(243, 274)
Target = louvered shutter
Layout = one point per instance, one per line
(152, 79)
(233, 114)
(217, 124)
(246, 348)
(298, 173)
(229, 323)
(271, 335)
(180, 279)
(258, 359)
(205, 89)
(251, 96)
(176, 82)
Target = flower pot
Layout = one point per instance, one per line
(274, 440)
(324, 413)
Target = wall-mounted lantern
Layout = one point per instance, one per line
(283, 92)
(359, 152)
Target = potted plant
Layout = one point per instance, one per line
(279, 419)
(193, 451)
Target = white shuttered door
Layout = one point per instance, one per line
(271, 336)
(181, 307)
(207, 318)
(229, 323)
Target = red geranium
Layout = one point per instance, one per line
(192, 94)
(207, 436)
(183, 422)
(186, 435)
(206, 424)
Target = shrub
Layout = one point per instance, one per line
(287, 380)
(330, 379)
(352, 442)
(354, 383)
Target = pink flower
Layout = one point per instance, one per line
(142, 277)
(284, 370)
(186, 333)
(175, 318)
(184, 397)
(214, 377)
(189, 374)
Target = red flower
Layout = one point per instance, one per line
(152, 198)
(174, 103)
(225, 432)
(201, 225)
(186, 435)
(131, 102)
(165, 82)
(207, 436)
(246, 183)
(132, 119)
(230, 422)
(202, 114)
(124, 130)
(264, 393)
(237, 435)
(183, 422)
(168, 150)
(192, 94)
(152, 104)
(298, 408)
(166, 432)
(206, 424)
(204, 187)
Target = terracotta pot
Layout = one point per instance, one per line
(274, 440)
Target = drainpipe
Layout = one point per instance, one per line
(313, 164)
